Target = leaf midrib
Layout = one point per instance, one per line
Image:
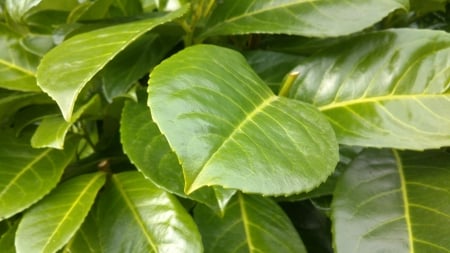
(267, 102)
(18, 68)
(245, 223)
(135, 214)
(405, 198)
(71, 209)
(364, 100)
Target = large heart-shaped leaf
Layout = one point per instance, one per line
(251, 224)
(67, 68)
(28, 174)
(389, 201)
(17, 66)
(382, 88)
(318, 18)
(229, 129)
(148, 149)
(143, 218)
(48, 225)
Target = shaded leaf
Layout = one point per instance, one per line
(7, 239)
(53, 129)
(318, 18)
(86, 240)
(16, 64)
(88, 52)
(148, 149)
(380, 89)
(390, 201)
(227, 127)
(423, 7)
(250, 224)
(143, 218)
(48, 225)
(28, 174)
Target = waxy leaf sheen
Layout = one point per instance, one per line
(316, 18)
(50, 224)
(391, 201)
(228, 128)
(383, 89)
(89, 53)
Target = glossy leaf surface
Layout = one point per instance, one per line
(63, 80)
(18, 8)
(148, 149)
(318, 18)
(48, 225)
(53, 129)
(224, 123)
(251, 224)
(382, 88)
(390, 201)
(86, 240)
(27, 174)
(17, 66)
(143, 218)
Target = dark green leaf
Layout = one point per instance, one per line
(50, 224)
(63, 80)
(390, 201)
(227, 127)
(7, 239)
(86, 240)
(27, 174)
(383, 89)
(318, 18)
(148, 149)
(136, 216)
(250, 224)
(11, 101)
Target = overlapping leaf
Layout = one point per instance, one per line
(53, 129)
(318, 18)
(143, 218)
(53, 221)
(389, 201)
(148, 149)
(383, 89)
(227, 127)
(17, 66)
(251, 224)
(89, 52)
(27, 174)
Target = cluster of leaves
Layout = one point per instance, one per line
(224, 126)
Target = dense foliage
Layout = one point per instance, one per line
(224, 126)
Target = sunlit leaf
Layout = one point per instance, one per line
(318, 18)
(143, 218)
(88, 52)
(227, 127)
(383, 89)
(251, 224)
(17, 66)
(18, 8)
(86, 240)
(148, 149)
(48, 225)
(390, 201)
(27, 174)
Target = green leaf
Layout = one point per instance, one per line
(227, 127)
(27, 174)
(12, 101)
(53, 129)
(393, 201)
(136, 216)
(86, 240)
(133, 63)
(7, 239)
(48, 225)
(319, 18)
(423, 7)
(148, 149)
(381, 89)
(16, 64)
(67, 68)
(272, 67)
(18, 8)
(251, 224)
